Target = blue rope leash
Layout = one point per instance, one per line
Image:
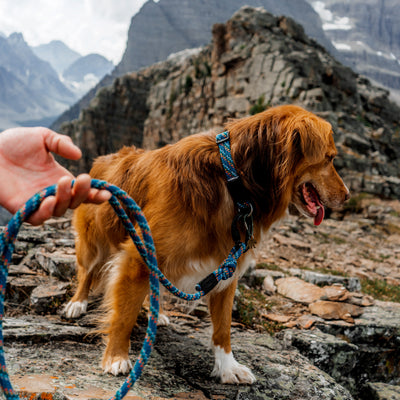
(147, 251)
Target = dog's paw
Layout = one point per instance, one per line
(117, 366)
(75, 309)
(229, 370)
(163, 320)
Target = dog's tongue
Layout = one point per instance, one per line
(320, 213)
(313, 203)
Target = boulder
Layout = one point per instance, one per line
(335, 310)
(298, 290)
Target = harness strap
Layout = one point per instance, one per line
(238, 192)
(242, 219)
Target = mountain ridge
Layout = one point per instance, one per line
(367, 36)
(30, 86)
(57, 53)
(156, 31)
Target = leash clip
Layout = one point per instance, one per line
(244, 214)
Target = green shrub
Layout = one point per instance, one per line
(260, 106)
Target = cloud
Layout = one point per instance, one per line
(89, 26)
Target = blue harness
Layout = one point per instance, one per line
(147, 251)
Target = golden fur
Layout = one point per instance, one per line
(182, 191)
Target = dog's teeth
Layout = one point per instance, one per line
(318, 207)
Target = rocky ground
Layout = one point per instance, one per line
(316, 318)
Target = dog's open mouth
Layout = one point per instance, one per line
(312, 202)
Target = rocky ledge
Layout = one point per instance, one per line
(308, 320)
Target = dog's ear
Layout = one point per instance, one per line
(310, 143)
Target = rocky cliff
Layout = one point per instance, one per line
(254, 61)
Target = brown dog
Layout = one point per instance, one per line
(284, 156)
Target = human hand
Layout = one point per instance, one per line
(27, 166)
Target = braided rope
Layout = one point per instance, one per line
(231, 174)
(147, 251)
(226, 155)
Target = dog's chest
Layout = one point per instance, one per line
(197, 270)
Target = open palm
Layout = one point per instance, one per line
(27, 166)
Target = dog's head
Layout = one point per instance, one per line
(285, 155)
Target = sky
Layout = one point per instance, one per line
(86, 26)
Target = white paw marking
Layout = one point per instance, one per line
(75, 309)
(163, 320)
(229, 370)
(118, 367)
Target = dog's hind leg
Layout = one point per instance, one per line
(90, 260)
(226, 367)
(126, 291)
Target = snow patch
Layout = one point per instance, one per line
(329, 21)
(342, 46)
(183, 54)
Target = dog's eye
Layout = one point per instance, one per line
(329, 159)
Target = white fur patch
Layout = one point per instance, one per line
(199, 269)
(229, 370)
(118, 367)
(75, 309)
(163, 320)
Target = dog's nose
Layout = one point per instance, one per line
(347, 195)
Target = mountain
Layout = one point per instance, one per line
(366, 34)
(30, 90)
(83, 74)
(57, 53)
(169, 26)
(254, 61)
(79, 73)
(94, 64)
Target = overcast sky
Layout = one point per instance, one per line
(86, 26)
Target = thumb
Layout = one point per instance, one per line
(61, 145)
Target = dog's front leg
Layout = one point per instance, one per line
(226, 367)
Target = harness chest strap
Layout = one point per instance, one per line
(237, 190)
(242, 218)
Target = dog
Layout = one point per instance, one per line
(284, 156)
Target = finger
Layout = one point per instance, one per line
(63, 196)
(61, 145)
(98, 196)
(81, 190)
(44, 212)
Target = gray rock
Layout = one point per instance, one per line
(37, 329)
(179, 363)
(381, 391)
(352, 284)
(366, 351)
(333, 355)
(19, 288)
(48, 298)
(57, 264)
